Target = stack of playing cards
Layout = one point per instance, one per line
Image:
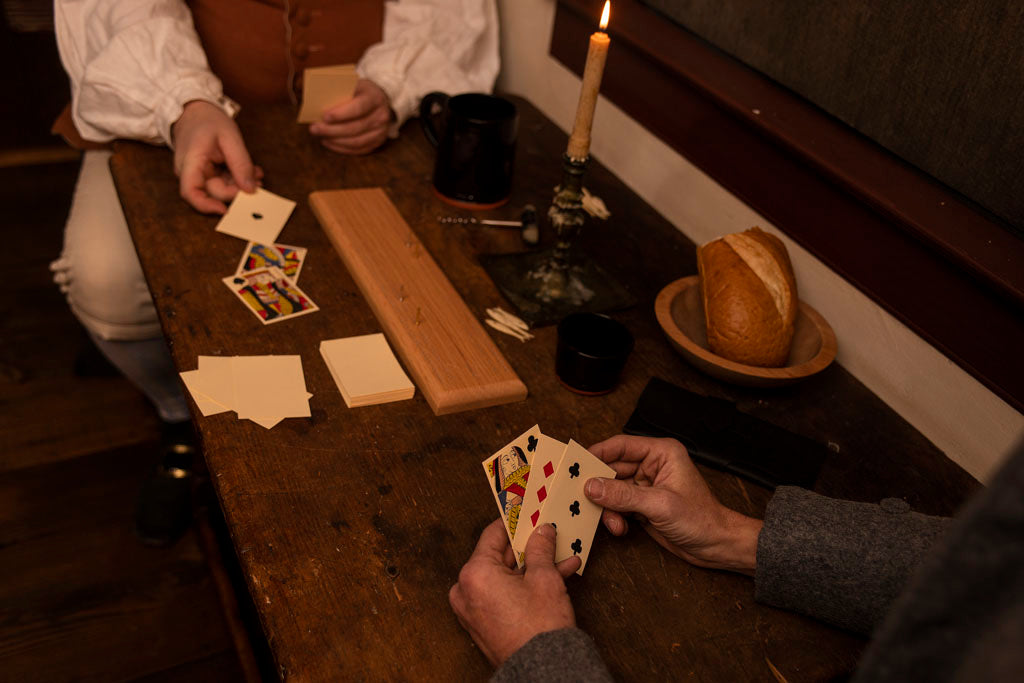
(538, 480)
(266, 279)
(264, 389)
(365, 370)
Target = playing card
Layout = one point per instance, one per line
(270, 295)
(267, 387)
(258, 217)
(508, 471)
(207, 406)
(289, 259)
(568, 509)
(542, 475)
(215, 379)
(323, 87)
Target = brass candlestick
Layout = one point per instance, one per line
(556, 281)
(545, 286)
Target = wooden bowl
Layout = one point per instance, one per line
(680, 312)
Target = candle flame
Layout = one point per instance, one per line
(605, 13)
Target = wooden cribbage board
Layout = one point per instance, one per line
(452, 359)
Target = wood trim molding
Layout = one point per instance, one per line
(939, 263)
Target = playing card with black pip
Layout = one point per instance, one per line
(572, 514)
(507, 472)
(258, 217)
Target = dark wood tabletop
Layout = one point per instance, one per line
(350, 526)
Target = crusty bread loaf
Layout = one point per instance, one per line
(750, 299)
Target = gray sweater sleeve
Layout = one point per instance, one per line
(564, 655)
(839, 561)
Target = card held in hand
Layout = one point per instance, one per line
(542, 475)
(508, 471)
(573, 515)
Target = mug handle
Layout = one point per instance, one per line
(427, 118)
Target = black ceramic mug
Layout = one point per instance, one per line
(475, 136)
(592, 350)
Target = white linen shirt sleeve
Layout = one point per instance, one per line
(133, 66)
(446, 45)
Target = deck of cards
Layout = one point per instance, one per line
(365, 370)
(536, 479)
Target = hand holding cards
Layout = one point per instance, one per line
(536, 480)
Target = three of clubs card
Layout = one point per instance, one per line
(536, 479)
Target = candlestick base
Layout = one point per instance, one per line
(544, 293)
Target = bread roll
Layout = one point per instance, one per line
(750, 299)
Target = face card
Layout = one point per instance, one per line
(270, 295)
(324, 87)
(568, 509)
(542, 475)
(258, 217)
(508, 471)
(287, 258)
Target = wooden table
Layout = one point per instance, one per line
(351, 525)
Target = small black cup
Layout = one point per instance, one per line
(592, 350)
(475, 135)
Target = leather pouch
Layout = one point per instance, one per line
(718, 435)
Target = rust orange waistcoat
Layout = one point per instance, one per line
(248, 46)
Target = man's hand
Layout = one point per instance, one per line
(205, 141)
(503, 608)
(359, 125)
(663, 487)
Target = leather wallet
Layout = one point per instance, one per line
(719, 435)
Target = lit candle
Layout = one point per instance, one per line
(579, 141)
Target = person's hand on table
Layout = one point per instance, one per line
(501, 607)
(210, 158)
(657, 482)
(359, 125)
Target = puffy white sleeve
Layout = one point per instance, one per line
(446, 45)
(133, 65)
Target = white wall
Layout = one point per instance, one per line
(970, 424)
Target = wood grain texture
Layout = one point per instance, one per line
(352, 525)
(83, 599)
(445, 348)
